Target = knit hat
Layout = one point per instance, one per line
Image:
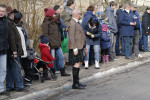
(133, 5)
(56, 7)
(44, 40)
(49, 12)
(103, 16)
(148, 8)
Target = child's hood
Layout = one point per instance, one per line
(42, 46)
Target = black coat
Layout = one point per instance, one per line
(146, 23)
(3, 35)
(14, 39)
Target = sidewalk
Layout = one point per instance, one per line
(52, 85)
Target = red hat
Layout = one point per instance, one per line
(49, 12)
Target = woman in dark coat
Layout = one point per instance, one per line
(51, 31)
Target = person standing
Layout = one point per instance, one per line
(76, 44)
(128, 24)
(14, 80)
(145, 30)
(137, 31)
(67, 12)
(51, 31)
(3, 47)
(113, 27)
(118, 38)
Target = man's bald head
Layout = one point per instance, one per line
(76, 13)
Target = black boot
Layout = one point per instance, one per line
(53, 75)
(63, 73)
(83, 85)
(76, 84)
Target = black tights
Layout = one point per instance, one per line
(105, 52)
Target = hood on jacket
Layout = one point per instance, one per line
(108, 8)
(42, 46)
(88, 13)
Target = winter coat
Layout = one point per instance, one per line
(105, 37)
(15, 44)
(45, 55)
(66, 15)
(76, 36)
(111, 20)
(62, 30)
(96, 31)
(119, 11)
(30, 54)
(51, 31)
(125, 20)
(4, 32)
(146, 23)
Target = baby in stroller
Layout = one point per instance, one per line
(46, 59)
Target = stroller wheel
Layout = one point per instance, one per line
(42, 79)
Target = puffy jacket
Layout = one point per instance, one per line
(96, 32)
(3, 35)
(45, 55)
(111, 20)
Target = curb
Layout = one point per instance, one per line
(44, 94)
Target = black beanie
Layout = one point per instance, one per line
(56, 7)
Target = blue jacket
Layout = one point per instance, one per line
(62, 31)
(4, 35)
(138, 22)
(96, 32)
(111, 20)
(125, 20)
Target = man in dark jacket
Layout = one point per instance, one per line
(113, 27)
(145, 30)
(127, 23)
(118, 38)
(3, 47)
(14, 79)
(67, 12)
(138, 31)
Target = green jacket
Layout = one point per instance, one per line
(67, 15)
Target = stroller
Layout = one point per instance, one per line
(38, 63)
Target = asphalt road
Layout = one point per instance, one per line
(133, 84)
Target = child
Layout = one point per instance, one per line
(105, 38)
(45, 55)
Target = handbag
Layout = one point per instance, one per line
(64, 44)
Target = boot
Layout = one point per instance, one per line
(97, 65)
(83, 85)
(45, 74)
(54, 76)
(104, 58)
(107, 58)
(63, 73)
(86, 64)
(76, 84)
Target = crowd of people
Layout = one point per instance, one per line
(66, 40)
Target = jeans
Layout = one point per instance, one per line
(112, 51)
(143, 42)
(122, 47)
(128, 40)
(14, 76)
(57, 53)
(117, 46)
(3, 62)
(136, 42)
(96, 52)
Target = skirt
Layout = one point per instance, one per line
(75, 59)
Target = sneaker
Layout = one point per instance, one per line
(140, 56)
(28, 83)
(57, 72)
(5, 93)
(86, 64)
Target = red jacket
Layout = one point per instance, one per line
(45, 55)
